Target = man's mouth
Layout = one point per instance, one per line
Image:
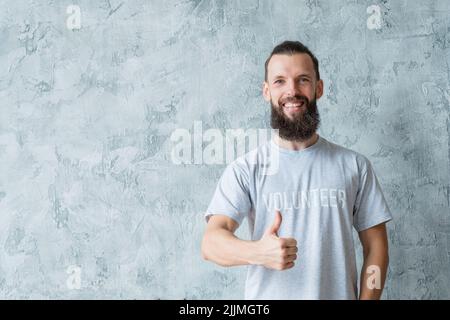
(293, 105)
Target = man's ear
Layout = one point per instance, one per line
(266, 92)
(319, 89)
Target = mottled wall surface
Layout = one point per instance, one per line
(88, 188)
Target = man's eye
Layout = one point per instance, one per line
(304, 80)
(278, 81)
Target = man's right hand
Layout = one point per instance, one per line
(275, 252)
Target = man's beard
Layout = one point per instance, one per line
(302, 126)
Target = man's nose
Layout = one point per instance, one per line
(292, 88)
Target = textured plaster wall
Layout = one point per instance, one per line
(91, 204)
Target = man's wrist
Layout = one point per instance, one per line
(254, 252)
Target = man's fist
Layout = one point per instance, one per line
(275, 252)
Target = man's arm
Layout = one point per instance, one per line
(376, 259)
(221, 246)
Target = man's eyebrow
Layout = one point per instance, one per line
(298, 76)
(304, 75)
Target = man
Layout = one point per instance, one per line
(301, 216)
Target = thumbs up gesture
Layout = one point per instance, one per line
(274, 252)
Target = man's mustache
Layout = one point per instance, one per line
(294, 99)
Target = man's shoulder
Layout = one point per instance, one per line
(252, 158)
(348, 154)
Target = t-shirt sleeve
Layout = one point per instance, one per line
(370, 207)
(231, 197)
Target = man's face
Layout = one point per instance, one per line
(292, 90)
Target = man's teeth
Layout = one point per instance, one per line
(293, 105)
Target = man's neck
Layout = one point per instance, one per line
(296, 145)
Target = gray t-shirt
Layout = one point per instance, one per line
(322, 192)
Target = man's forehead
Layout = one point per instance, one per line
(281, 64)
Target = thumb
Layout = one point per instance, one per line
(276, 223)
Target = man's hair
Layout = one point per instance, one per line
(290, 48)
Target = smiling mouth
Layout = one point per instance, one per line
(293, 105)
